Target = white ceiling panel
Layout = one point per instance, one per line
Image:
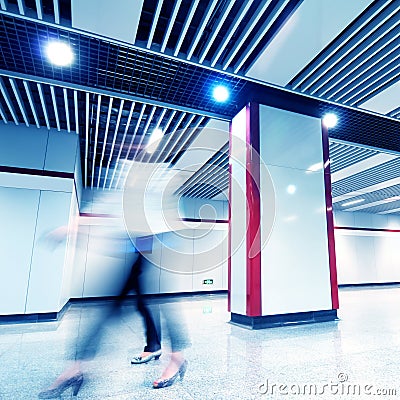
(385, 101)
(114, 19)
(208, 142)
(314, 24)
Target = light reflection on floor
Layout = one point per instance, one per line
(358, 353)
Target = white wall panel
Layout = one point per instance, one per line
(295, 265)
(238, 221)
(22, 146)
(47, 268)
(115, 19)
(291, 140)
(18, 213)
(177, 261)
(208, 259)
(295, 262)
(61, 151)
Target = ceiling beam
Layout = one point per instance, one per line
(19, 100)
(29, 95)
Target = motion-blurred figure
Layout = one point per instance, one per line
(142, 191)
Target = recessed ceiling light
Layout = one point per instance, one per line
(220, 94)
(330, 120)
(59, 53)
(350, 203)
(291, 189)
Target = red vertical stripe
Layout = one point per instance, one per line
(253, 214)
(329, 220)
(229, 223)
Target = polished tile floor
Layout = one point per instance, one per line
(356, 357)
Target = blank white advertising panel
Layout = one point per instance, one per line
(295, 259)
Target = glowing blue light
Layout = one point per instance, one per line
(59, 53)
(220, 94)
(330, 120)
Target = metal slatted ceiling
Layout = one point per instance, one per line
(369, 177)
(112, 66)
(362, 61)
(226, 34)
(343, 155)
(211, 179)
(55, 11)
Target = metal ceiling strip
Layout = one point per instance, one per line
(127, 126)
(354, 59)
(216, 29)
(210, 176)
(110, 103)
(19, 100)
(395, 112)
(144, 132)
(207, 185)
(246, 32)
(121, 106)
(46, 117)
(215, 188)
(372, 83)
(193, 131)
(160, 118)
(374, 203)
(66, 110)
(29, 95)
(376, 85)
(3, 5)
(95, 139)
(323, 57)
(369, 189)
(154, 24)
(200, 173)
(348, 83)
(131, 144)
(76, 112)
(21, 7)
(39, 9)
(186, 26)
(165, 129)
(259, 36)
(201, 28)
(110, 93)
(180, 134)
(3, 114)
(87, 104)
(8, 101)
(160, 158)
(395, 210)
(171, 22)
(56, 12)
(232, 30)
(372, 30)
(360, 166)
(53, 98)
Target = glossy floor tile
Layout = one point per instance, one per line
(356, 357)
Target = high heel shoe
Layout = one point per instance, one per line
(162, 383)
(141, 360)
(75, 382)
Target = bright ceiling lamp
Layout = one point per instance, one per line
(220, 94)
(59, 53)
(154, 140)
(352, 202)
(330, 120)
